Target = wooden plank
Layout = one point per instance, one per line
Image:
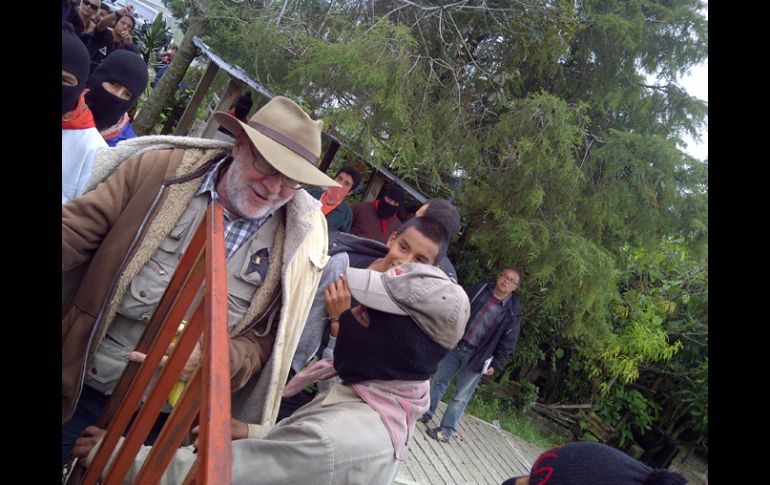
(233, 88)
(507, 455)
(200, 92)
(215, 440)
(130, 401)
(179, 292)
(474, 451)
(432, 459)
(329, 155)
(472, 471)
(488, 436)
(373, 187)
(157, 398)
(496, 444)
(173, 432)
(419, 461)
(473, 457)
(459, 461)
(433, 468)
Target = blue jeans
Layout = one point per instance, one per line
(456, 360)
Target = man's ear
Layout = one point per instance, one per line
(391, 239)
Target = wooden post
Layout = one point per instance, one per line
(329, 155)
(207, 393)
(203, 87)
(233, 88)
(374, 187)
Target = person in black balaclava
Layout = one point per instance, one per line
(79, 138)
(377, 220)
(240, 110)
(242, 106)
(114, 88)
(74, 64)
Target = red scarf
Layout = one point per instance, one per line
(325, 207)
(79, 118)
(383, 222)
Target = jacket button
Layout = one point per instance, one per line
(142, 294)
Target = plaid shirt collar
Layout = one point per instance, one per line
(237, 230)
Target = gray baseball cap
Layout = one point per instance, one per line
(437, 305)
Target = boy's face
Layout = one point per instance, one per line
(411, 246)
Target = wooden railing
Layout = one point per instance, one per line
(207, 394)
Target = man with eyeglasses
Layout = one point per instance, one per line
(132, 229)
(81, 17)
(489, 339)
(339, 215)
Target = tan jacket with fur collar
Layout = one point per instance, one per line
(116, 227)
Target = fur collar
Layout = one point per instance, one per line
(107, 160)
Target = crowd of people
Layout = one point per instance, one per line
(346, 324)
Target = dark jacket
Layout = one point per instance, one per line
(369, 249)
(501, 342)
(366, 222)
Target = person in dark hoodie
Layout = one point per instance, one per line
(377, 219)
(114, 88)
(422, 239)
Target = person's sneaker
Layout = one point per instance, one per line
(438, 435)
(424, 419)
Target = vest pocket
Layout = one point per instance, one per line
(179, 233)
(145, 290)
(109, 362)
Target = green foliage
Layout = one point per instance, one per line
(628, 411)
(152, 36)
(539, 120)
(486, 404)
(659, 339)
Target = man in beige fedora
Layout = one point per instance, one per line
(131, 229)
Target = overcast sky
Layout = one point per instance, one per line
(697, 84)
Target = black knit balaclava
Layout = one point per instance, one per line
(243, 105)
(384, 209)
(588, 463)
(392, 347)
(122, 67)
(74, 60)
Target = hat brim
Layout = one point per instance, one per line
(366, 287)
(283, 159)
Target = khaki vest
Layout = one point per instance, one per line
(245, 272)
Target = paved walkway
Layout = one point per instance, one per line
(479, 453)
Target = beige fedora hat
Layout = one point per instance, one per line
(287, 137)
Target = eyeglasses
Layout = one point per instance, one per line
(92, 5)
(509, 279)
(263, 166)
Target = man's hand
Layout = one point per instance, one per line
(127, 10)
(189, 367)
(88, 439)
(239, 430)
(490, 371)
(337, 296)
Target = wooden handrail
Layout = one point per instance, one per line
(207, 394)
